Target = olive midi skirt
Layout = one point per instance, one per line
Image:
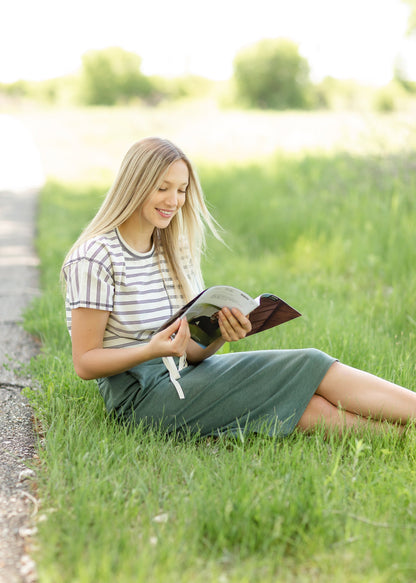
(262, 391)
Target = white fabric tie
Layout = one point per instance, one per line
(174, 373)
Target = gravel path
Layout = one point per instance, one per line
(18, 285)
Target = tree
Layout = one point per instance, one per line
(400, 73)
(112, 74)
(271, 74)
(411, 26)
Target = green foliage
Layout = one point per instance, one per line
(401, 77)
(60, 91)
(18, 88)
(271, 74)
(172, 89)
(111, 75)
(331, 235)
(411, 25)
(57, 91)
(395, 96)
(384, 101)
(342, 94)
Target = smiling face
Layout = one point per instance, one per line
(162, 204)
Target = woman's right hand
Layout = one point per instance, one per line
(172, 341)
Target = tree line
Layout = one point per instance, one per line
(270, 74)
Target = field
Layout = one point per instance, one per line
(328, 223)
(78, 144)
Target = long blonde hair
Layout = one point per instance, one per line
(142, 171)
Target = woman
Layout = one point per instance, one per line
(134, 265)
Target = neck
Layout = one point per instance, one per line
(136, 238)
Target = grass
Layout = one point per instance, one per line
(332, 235)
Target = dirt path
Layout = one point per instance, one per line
(18, 285)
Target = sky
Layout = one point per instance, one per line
(358, 39)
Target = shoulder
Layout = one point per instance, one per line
(103, 249)
(101, 255)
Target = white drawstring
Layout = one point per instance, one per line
(174, 372)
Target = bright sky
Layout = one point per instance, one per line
(358, 39)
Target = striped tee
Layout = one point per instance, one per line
(104, 273)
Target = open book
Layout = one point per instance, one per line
(264, 312)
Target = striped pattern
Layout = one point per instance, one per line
(106, 274)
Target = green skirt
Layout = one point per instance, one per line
(262, 391)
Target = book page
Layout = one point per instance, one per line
(220, 296)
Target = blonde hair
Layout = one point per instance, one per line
(142, 171)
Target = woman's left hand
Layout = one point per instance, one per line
(233, 324)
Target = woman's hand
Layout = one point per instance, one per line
(172, 341)
(233, 324)
(92, 361)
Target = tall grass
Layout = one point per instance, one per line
(333, 235)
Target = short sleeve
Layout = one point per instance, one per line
(89, 285)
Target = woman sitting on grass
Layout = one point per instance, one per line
(134, 265)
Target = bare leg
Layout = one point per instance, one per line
(364, 394)
(322, 413)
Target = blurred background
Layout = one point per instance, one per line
(227, 80)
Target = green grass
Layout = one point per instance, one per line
(333, 235)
